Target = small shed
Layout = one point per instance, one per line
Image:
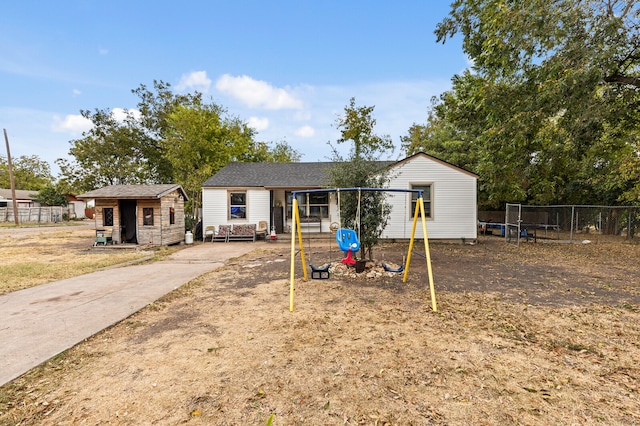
(140, 214)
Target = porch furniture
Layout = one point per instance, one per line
(103, 237)
(261, 230)
(209, 232)
(307, 222)
(243, 232)
(222, 234)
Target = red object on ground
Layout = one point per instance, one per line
(349, 260)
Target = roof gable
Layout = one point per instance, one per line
(435, 159)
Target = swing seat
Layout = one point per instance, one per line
(390, 269)
(320, 273)
(347, 240)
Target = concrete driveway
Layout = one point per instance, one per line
(40, 322)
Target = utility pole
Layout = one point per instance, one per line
(13, 182)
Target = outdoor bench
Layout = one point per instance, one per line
(242, 232)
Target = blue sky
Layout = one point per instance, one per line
(288, 68)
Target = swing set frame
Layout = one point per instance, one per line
(298, 230)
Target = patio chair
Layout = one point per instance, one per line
(209, 232)
(261, 230)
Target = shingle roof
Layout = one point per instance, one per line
(287, 175)
(133, 191)
(21, 194)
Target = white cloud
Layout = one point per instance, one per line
(196, 80)
(120, 114)
(76, 92)
(74, 124)
(103, 52)
(258, 123)
(305, 132)
(257, 93)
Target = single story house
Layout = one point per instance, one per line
(24, 198)
(76, 207)
(140, 214)
(242, 193)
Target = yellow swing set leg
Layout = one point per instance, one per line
(420, 211)
(296, 228)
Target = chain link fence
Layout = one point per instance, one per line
(571, 223)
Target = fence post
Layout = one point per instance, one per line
(571, 231)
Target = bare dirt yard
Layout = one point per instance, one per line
(533, 335)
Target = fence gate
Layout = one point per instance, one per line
(512, 222)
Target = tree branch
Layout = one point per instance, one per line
(623, 79)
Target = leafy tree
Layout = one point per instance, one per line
(113, 152)
(201, 138)
(29, 172)
(280, 152)
(550, 112)
(174, 138)
(155, 107)
(52, 195)
(441, 139)
(361, 169)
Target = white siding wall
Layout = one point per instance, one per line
(454, 205)
(215, 206)
(258, 207)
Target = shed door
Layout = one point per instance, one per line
(128, 221)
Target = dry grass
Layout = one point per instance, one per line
(37, 258)
(226, 350)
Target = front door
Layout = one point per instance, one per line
(128, 221)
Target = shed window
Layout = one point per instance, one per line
(147, 216)
(107, 216)
(172, 216)
(237, 205)
(426, 198)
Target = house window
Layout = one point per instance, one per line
(237, 205)
(172, 216)
(302, 201)
(107, 216)
(318, 204)
(311, 204)
(426, 198)
(147, 216)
